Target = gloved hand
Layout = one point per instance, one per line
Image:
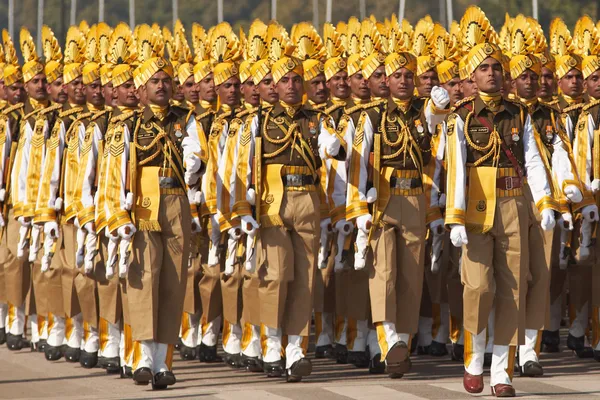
(590, 213)
(2, 222)
(595, 185)
(326, 225)
(128, 201)
(24, 221)
(440, 97)
(548, 220)
(573, 194)
(193, 164)
(2, 195)
(329, 146)
(58, 203)
(343, 226)
(194, 195)
(90, 227)
(371, 195)
(361, 249)
(126, 231)
(458, 235)
(51, 230)
(364, 222)
(251, 196)
(565, 221)
(196, 226)
(249, 224)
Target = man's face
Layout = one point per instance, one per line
(454, 89)
(378, 83)
(75, 91)
(316, 89)
(109, 96)
(190, 90)
(177, 91)
(250, 93)
(572, 83)
(526, 85)
(547, 84)
(125, 95)
(426, 82)
(338, 85)
(206, 89)
(402, 84)
(592, 85)
(268, 90)
(57, 92)
(469, 87)
(359, 86)
(2, 94)
(93, 94)
(15, 93)
(488, 76)
(159, 89)
(229, 91)
(36, 88)
(290, 88)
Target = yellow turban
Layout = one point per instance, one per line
(72, 71)
(12, 74)
(53, 70)
(149, 68)
(201, 70)
(31, 69)
(424, 64)
(285, 65)
(259, 70)
(184, 71)
(106, 73)
(353, 64)
(224, 71)
(479, 53)
(334, 65)
(589, 65)
(312, 68)
(371, 63)
(566, 63)
(520, 63)
(395, 61)
(447, 70)
(90, 72)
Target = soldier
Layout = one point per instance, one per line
(162, 163)
(287, 206)
(3, 304)
(494, 138)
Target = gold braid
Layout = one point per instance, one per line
(492, 147)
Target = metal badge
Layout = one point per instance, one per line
(515, 135)
(419, 126)
(549, 132)
(178, 133)
(312, 128)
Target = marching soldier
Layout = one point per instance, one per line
(494, 139)
(3, 304)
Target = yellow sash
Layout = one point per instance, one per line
(481, 200)
(147, 199)
(272, 196)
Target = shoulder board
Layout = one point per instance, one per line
(124, 116)
(333, 108)
(10, 109)
(50, 109)
(69, 112)
(591, 104)
(204, 114)
(364, 106)
(573, 107)
(84, 115)
(551, 105)
(464, 101)
(99, 114)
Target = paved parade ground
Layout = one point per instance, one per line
(25, 375)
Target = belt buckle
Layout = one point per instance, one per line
(166, 182)
(405, 183)
(508, 182)
(294, 180)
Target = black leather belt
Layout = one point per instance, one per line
(405, 183)
(296, 180)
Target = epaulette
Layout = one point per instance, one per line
(50, 109)
(10, 109)
(69, 112)
(589, 105)
(204, 114)
(98, 114)
(332, 108)
(573, 107)
(124, 116)
(464, 101)
(550, 104)
(364, 106)
(83, 116)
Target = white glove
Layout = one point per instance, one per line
(371, 195)
(112, 254)
(323, 243)
(90, 227)
(251, 196)
(442, 200)
(48, 254)
(364, 222)
(34, 247)
(80, 252)
(437, 226)
(585, 240)
(458, 235)
(191, 178)
(194, 195)
(232, 243)
(23, 240)
(2, 223)
(565, 221)
(440, 97)
(215, 237)
(548, 220)
(126, 231)
(193, 164)
(2, 194)
(329, 146)
(362, 246)
(326, 225)
(590, 213)
(595, 185)
(563, 255)
(128, 202)
(249, 224)
(196, 226)
(90, 252)
(58, 203)
(26, 222)
(343, 226)
(124, 257)
(51, 229)
(573, 194)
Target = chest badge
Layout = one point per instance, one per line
(549, 132)
(312, 127)
(178, 132)
(515, 135)
(419, 126)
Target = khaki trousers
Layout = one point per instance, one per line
(286, 262)
(451, 259)
(538, 288)
(156, 279)
(251, 309)
(192, 303)
(494, 273)
(396, 278)
(324, 298)
(109, 293)
(209, 285)
(231, 290)
(17, 272)
(66, 244)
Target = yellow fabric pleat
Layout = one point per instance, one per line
(468, 351)
(226, 332)
(129, 347)
(246, 335)
(455, 329)
(318, 325)
(263, 340)
(185, 325)
(351, 333)
(137, 354)
(50, 322)
(481, 205)
(169, 358)
(69, 328)
(340, 322)
(41, 321)
(512, 352)
(382, 340)
(102, 333)
(12, 313)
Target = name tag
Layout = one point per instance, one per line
(478, 129)
(391, 128)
